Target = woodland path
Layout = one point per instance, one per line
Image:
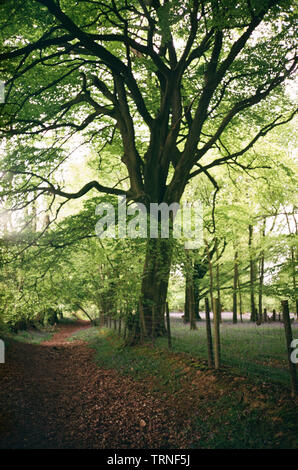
(53, 395)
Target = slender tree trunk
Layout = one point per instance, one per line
(252, 276)
(289, 339)
(216, 309)
(209, 333)
(217, 278)
(85, 312)
(190, 298)
(200, 268)
(193, 325)
(261, 282)
(293, 263)
(197, 299)
(210, 275)
(293, 260)
(235, 286)
(240, 298)
(261, 272)
(274, 315)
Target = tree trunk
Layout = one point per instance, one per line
(235, 286)
(217, 279)
(216, 310)
(261, 273)
(209, 334)
(197, 304)
(168, 326)
(155, 285)
(289, 339)
(196, 293)
(186, 315)
(189, 314)
(253, 316)
(192, 317)
(274, 315)
(240, 299)
(210, 275)
(293, 262)
(85, 312)
(200, 268)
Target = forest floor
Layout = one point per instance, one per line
(55, 395)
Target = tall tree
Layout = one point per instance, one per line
(165, 82)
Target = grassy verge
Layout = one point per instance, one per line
(232, 424)
(141, 362)
(31, 336)
(221, 410)
(258, 352)
(36, 335)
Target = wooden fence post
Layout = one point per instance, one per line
(289, 339)
(209, 333)
(216, 312)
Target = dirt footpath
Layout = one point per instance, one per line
(53, 395)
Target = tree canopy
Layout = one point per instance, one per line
(172, 89)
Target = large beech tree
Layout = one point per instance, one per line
(169, 82)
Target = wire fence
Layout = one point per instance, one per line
(250, 349)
